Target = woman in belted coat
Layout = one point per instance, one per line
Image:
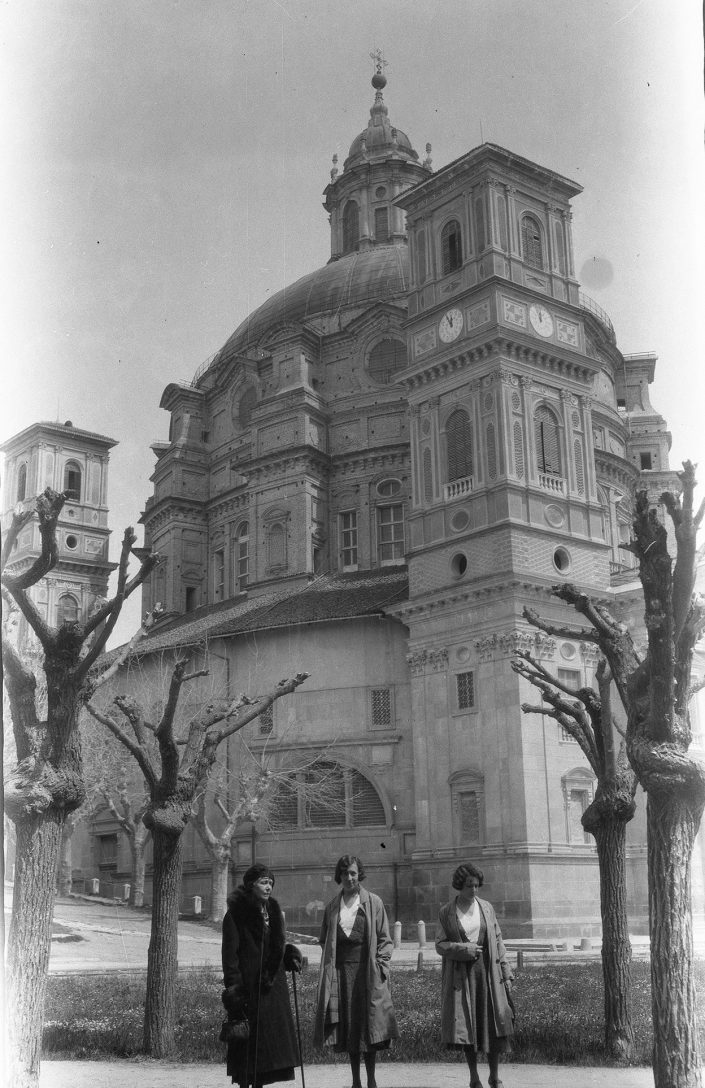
(476, 983)
(354, 1011)
(255, 958)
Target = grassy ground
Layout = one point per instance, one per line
(559, 1016)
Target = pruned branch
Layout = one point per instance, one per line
(110, 611)
(148, 622)
(19, 520)
(557, 630)
(49, 506)
(284, 687)
(138, 750)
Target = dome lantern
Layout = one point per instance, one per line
(381, 164)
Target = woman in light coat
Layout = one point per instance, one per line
(476, 1010)
(354, 1011)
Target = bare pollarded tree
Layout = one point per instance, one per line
(587, 716)
(656, 690)
(46, 784)
(264, 787)
(176, 759)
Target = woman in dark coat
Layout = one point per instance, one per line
(354, 1011)
(476, 983)
(255, 957)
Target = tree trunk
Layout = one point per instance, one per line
(672, 827)
(162, 963)
(65, 872)
(610, 837)
(38, 847)
(220, 868)
(138, 848)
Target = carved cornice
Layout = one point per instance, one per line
(438, 659)
(590, 652)
(501, 346)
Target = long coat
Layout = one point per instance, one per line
(456, 953)
(256, 987)
(381, 1021)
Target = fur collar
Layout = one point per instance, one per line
(247, 916)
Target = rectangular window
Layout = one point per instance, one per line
(645, 460)
(390, 534)
(108, 851)
(348, 540)
(571, 679)
(381, 708)
(266, 721)
(465, 688)
(191, 598)
(219, 575)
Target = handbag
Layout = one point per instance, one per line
(234, 1031)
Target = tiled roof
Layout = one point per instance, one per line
(329, 597)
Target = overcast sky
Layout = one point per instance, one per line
(167, 160)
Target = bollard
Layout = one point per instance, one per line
(196, 904)
(126, 892)
(419, 963)
(397, 934)
(95, 886)
(585, 944)
(422, 934)
(520, 960)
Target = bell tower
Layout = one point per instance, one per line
(500, 384)
(75, 461)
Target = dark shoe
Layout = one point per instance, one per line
(476, 1083)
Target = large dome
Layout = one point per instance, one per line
(359, 279)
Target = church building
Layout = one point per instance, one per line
(380, 469)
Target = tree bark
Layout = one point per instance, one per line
(220, 868)
(162, 962)
(672, 828)
(29, 946)
(138, 847)
(65, 871)
(610, 837)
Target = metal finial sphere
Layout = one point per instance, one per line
(379, 81)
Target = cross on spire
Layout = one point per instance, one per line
(378, 57)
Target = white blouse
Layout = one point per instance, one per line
(348, 914)
(470, 922)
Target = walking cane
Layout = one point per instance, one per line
(298, 1028)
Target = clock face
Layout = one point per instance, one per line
(451, 326)
(541, 320)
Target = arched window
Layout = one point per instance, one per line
(351, 227)
(386, 358)
(72, 481)
(531, 243)
(21, 482)
(276, 540)
(459, 445)
(451, 247)
(248, 400)
(548, 444)
(325, 795)
(242, 557)
(67, 609)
